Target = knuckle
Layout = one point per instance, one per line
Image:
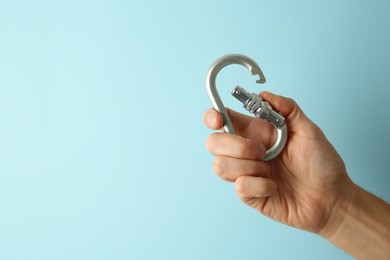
(292, 101)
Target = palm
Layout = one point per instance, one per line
(305, 193)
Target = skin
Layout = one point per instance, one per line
(306, 186)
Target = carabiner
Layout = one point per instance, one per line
(252, 102)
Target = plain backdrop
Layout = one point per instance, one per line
(102, 151)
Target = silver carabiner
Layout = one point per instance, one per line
(252, 102)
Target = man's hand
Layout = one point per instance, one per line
(306, 186)
(301, 186)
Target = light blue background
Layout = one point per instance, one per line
(101, 137)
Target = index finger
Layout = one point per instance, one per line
(214, 120)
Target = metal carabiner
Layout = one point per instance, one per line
(252, 102)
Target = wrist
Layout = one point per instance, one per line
(340, 210)
(359, 224)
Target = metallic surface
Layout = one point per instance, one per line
(254, 105)
(262, 109)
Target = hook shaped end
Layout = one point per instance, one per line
(257, 71)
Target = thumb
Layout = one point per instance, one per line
(295, 118)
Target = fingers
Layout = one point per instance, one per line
(213, 119)
(235, 146)
(248, 187)
(240, 121)
(229, 169)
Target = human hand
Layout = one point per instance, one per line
(301, 186)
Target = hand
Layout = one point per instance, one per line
(301, 186)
